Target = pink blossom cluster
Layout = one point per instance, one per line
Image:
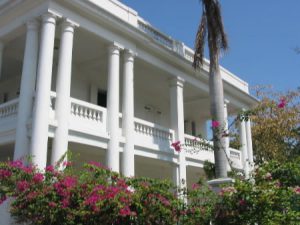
(177, 146)
(227, 190)
(282, 103)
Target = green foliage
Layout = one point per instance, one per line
(209, 169)
(275, 127)
(95, 195)
(271, 197)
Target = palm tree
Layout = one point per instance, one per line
(211, 28)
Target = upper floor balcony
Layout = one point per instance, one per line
(88, 126)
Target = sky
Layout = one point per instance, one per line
(263, 35)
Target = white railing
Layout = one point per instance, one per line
(235, 154)
(164, 40)
(150, 129)
(84, 116)
(9, 108)
(153, 136)
(87, 111)
(196, 144)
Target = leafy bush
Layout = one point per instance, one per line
(272, 197)
(95, 195)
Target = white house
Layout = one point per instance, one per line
(93, 77)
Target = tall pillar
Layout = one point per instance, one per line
(63, 88)
(128, 114)
(1, 57)
(249, 143)
(113, 155)
(243, 148)
(226, 127)
(40, 120)
(177, 124)
(22, 143)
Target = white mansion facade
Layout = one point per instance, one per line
(93, 77)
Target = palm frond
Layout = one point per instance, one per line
(211, 26)
(200, 42)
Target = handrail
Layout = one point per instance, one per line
(9, 108)
(151, 129)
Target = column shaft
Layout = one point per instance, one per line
(63, 88)
(112, 156)
(243, 148)
(1, 57)
(22, 143)
(40, 123)
(177, 124)
(249, 142)
(227, 150)
(128, 115)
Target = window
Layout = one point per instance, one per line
(101, 98)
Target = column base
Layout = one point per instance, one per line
(217, 184)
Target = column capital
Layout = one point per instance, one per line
(114, 48)
(129, 53)
(176, 81)
(50, 17)
(69, 23)
(226, 101)
(32, 24)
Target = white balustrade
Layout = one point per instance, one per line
(84, 116)
(155, 34)
(153, 136)
(87, 111)
(236, 154)
(193, 143)
(9, 108)
(150, 129)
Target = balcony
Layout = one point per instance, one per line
(87, 125)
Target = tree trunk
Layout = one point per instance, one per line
(217, 112)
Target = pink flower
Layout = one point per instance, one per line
(65, 203)
(176, 146)
(282, 103)
(242, 202)
(195, 186)
(227, 190)
(50, 169)
(52, 204)
(215, 124)
(5, 173)
(69, 182)
(37, 178)
(22, 185)
(16, 164)
(125, 211)
(296, 190)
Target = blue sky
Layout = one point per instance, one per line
(262, 35)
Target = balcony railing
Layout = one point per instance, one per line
(152, 135)
(9, 108)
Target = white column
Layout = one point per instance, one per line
(177, 124)
(227, 150)
(63, 88)
(128, 114)
(112, 155)
(249, 143)
(40, 120)
(22, 143)
(243, 148)
(1, 56)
